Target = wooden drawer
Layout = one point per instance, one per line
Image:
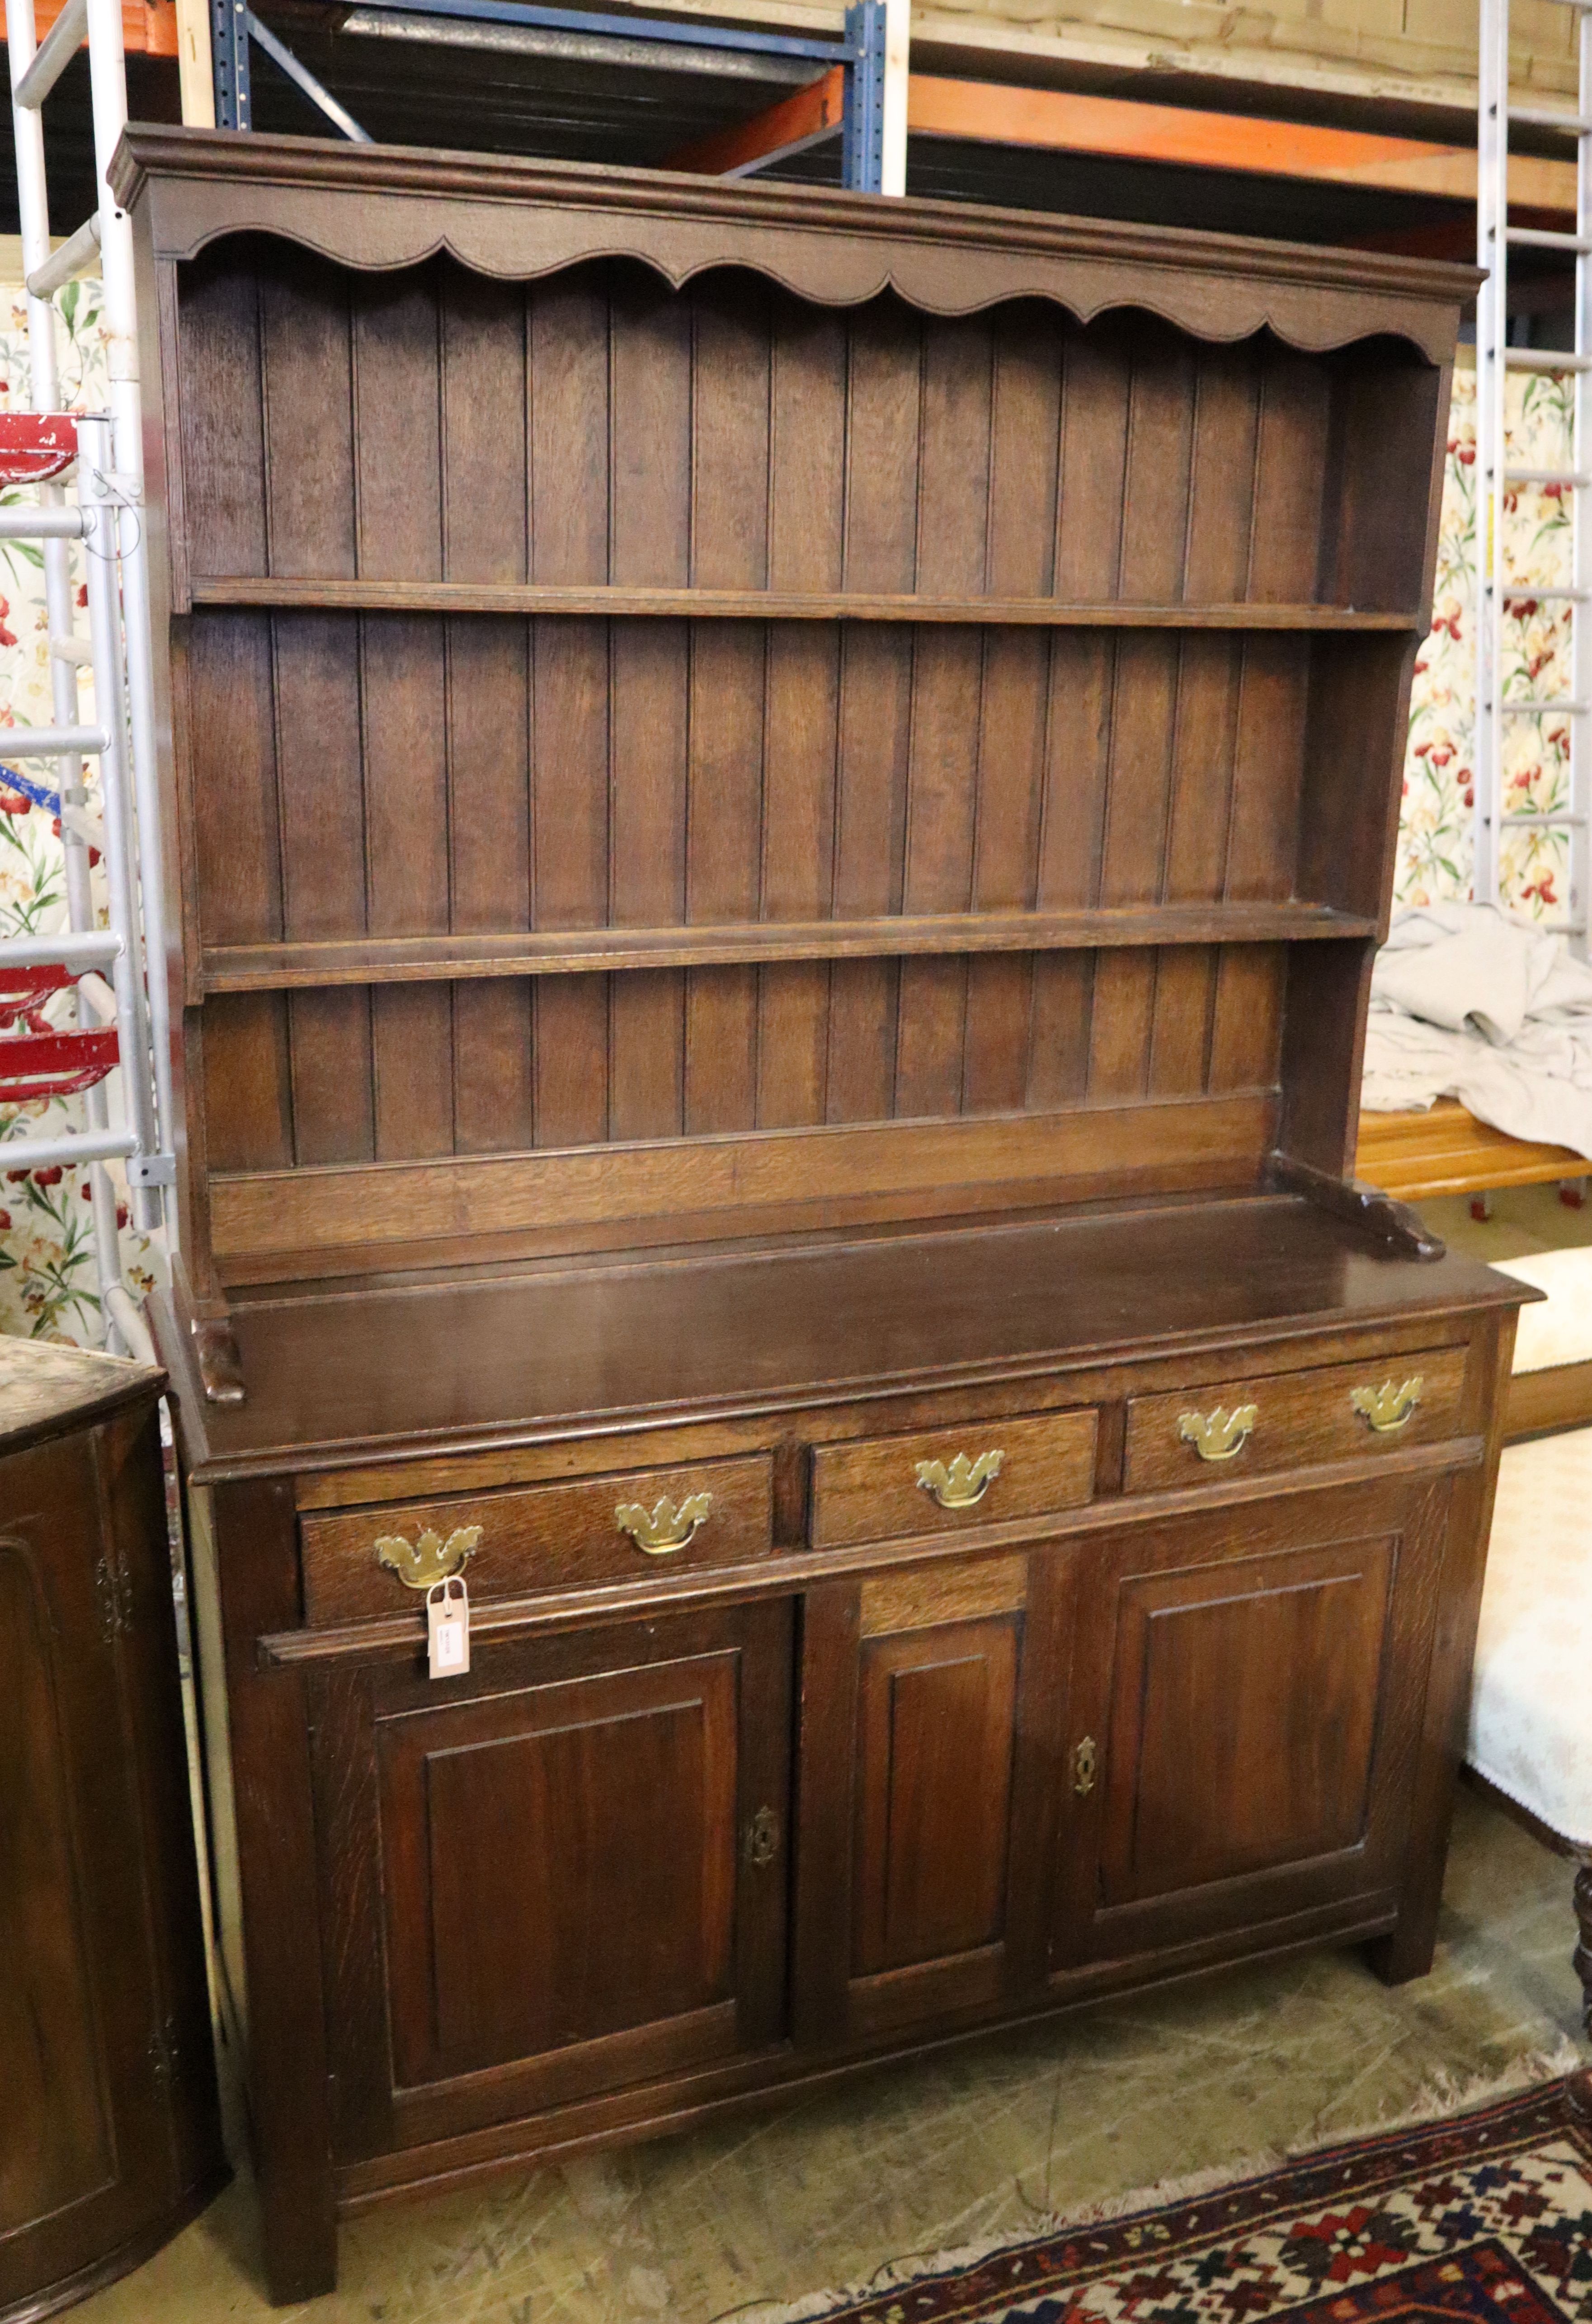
(1297, 1418)
(541, 1537)
(871, 1491)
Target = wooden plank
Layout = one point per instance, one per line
(236, 830)
(322, 808)
(1222, 479)
(1160, 432)
(1446, 1151)
(222, 439)
(308, 408)
(1542, 1402)
(801, 736)
(1093, 491)
(731, 358)
(397, 426)
(575, 952)
(859, 604)
(1290, 471)
(257, 1215)
(567, 363)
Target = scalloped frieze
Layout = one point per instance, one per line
(520, 221)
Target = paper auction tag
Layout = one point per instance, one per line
(448, 1628)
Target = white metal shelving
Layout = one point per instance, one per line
(1495, 590)
(107, 519)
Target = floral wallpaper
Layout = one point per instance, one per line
(1434, 856)
(48, 1284)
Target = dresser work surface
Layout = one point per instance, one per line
(783, 803)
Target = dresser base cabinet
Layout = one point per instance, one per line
(1092, 1684)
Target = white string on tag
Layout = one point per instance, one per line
(448, 1628)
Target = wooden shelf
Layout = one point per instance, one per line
(772, 605)
(398, 960)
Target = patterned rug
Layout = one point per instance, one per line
(1484, 2218)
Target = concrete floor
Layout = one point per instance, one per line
(985, 2140)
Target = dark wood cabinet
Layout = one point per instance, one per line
(1243, 1720)
(581, 1852)
(109, 2127)
(784, 805)
(952, 1677)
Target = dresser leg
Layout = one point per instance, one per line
(1407, 1950)
(1582, 1955)
(257, 1573)
(300, 2239)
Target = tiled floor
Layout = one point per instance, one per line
(983, 2139)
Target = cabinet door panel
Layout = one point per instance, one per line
(564, 1864)
(927, 1800)
(936, 1724)
(1244, 1715)
(559, 1848)
(1245, 1701)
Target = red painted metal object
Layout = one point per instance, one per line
(47, 1060)
(23, 990)
(36, 446)
(54, 1064)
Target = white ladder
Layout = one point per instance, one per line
(109, 519)
(1496, 359)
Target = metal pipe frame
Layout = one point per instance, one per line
(1495, 591)
(115, 579)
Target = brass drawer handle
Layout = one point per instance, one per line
(667, 1529)
(423, 1564)
(1085, 1766)
(1218, 1435)
(1389, 1407)
(963, 1483)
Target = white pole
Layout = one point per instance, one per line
(1579, 904)
(108, 83)
(33, 207)
(898, 35)
(104, 629)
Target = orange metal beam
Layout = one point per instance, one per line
(797, 120)
(990, 114)
(149, 27)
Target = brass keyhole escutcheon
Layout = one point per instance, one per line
(1085, 1766)
(659, 1531)
(1218, 1435)
(964, 1483)
(762, 1838)
(421, 1564)
(1389, 1406)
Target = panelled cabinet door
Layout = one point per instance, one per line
(1245, 1704)
(567, 1870)
(925, 1696)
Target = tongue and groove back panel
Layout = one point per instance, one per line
(659, 762)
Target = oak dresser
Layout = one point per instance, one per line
(783, 805)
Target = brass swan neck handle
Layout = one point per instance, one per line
(660, 1531)
(1218, 1435)
(1389, 1406)
(964, 1483)
(421, 1564)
